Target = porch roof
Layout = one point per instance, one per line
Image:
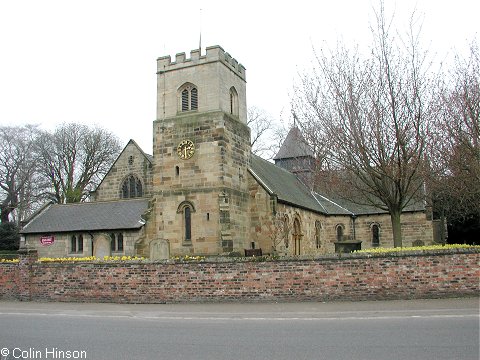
(89, 216)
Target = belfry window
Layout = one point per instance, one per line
(131, 187)
(185, 100)
(194, 99)
(188, 98)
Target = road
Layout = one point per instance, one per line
(415, 329)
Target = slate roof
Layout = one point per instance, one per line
(294, 146)
(289, 189)
(285, 185)
(91, 216)
(363, 209)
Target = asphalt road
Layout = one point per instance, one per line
(416, 329)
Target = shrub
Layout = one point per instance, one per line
(9, 237)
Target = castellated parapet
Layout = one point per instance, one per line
(215, 75)
(213, 53)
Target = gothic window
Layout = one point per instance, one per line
(375, 235)
(185, 100)
(116, 242)
(76, 244)
(194, 99)
(132, 187)
(188, 97)
(318, 229)
(233, 101)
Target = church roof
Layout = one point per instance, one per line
(89, 216)
(289, 189)
(285, 185)
(294, 146)
(364, 209)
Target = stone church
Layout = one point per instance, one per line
(202, 191)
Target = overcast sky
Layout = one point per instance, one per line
(94, 61)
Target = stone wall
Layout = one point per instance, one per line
(351, 277)
(132, 161)
(62, 245)
(267, 229)
(213, 183)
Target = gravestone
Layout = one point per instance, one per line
(159, 250)
(101, 246)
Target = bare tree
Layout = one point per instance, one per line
(266, 136)
(371, 113)
(455, 142)
(18, 163)
(75, 158)
(278, 231)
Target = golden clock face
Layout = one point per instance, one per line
(186, 149)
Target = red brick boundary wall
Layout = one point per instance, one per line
(351, 277)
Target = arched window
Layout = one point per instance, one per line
(131, 187)
(318, 230)
(375, 235)
(116, 242)
(186, 209)
(73, 244)
(194, 99)
(297, 236)
(187, 216)
(76, 243)
(188, 97)
(233, 101)
(340, 232)
(185, 96)
(285, 231)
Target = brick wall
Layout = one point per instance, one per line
(352, 277)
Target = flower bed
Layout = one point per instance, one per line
(381, 250)
(91, 259)
(9, 261)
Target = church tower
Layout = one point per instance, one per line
(201, 150)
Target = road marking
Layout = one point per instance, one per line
(241, 318)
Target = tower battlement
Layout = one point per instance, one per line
(213, 53)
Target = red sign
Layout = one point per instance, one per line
(47, 240)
